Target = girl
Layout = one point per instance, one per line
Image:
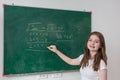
(93, 62)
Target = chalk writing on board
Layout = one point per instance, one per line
(39, 35)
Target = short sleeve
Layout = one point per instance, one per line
(80, 57)
(102, 65)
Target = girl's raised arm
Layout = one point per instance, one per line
(65, 58)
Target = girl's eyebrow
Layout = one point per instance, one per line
(95, 39)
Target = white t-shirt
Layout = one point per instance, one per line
(87, 73)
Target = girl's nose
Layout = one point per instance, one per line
(92, 42)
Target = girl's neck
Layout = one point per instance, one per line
(92, 55)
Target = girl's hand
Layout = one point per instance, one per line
(52, 48)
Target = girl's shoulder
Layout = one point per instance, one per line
(102, 65)
(81, 56)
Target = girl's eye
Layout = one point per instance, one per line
(89, 40)
(96, 41)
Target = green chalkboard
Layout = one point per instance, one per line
(28, 31)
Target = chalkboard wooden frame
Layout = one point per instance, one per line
(28, 31)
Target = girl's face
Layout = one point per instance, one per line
(93, 43)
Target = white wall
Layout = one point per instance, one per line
(105, 18)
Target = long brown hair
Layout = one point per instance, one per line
(101, 54)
